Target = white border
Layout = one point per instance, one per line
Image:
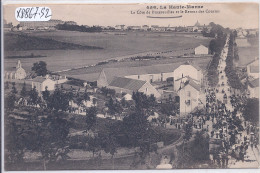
(4, 2)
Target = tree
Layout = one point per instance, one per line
(188, 131)
(52, 139)
(15, 142)
(46, 95)
(91, 117)
(23, 92)
(10, 101)
(251, 110)
(40, 68)
(14, 90)
(86, 96)
(94, 101)
(93, 144)
(136, 128)
(200, 147)
(111, 146)
(59, 100)
(33, 97)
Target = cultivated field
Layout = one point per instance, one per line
(114, 46)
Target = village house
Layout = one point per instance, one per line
(253, 88)
(40, 83)
(145, 27)
(190, 95)
(19, 73)
(253, 69)
(201, 50)
(127, 85)
(151, 74)
(134, 28)
(187, 70)
(119, 27)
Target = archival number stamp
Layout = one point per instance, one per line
(23, 14)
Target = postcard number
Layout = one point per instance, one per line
(23, 14)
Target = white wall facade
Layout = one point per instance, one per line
(254, 92)
(148, 89)
(201, 50)
(189, 99)
(186, 70)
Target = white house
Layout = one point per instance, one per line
(253, 88)
(253, 69)
(187, 70)
(201, 50)
(40, 83)
(127, 85)
(189, 97)
(155, 73)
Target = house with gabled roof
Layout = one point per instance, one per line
(190, 94)
(40, 83)
(253, 88)
(190, 70)
(127, 85)
(155, 73)
(201, 50)
(253, 68)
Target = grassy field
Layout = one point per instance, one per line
(113, 46)
(248, 54)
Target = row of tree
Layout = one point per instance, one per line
(216, 45)
(79, 28)
(232, 76)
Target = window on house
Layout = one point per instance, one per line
(146, 89)
(138, 76)
(188, 93)
(188, 102)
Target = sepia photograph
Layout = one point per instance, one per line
(134, 86)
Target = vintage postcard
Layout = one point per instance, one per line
(130, 86)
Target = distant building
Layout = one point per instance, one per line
(41, 24)
(71, 23)
(242, 42)
(155, 28)
(201, 50)
(253, 68)
(253, 88)
(19, 73)
(40, 83)
(252, 32)
(120, 27)
(7, 26)
(127, 85)
(151, 74)
(134, 28)
(145, 27)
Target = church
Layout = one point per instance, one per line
(19, 73)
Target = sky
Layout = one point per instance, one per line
(232, 15)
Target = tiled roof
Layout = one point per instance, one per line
(126, 83)
(192, 64)
(39, 79)
(194, 85)
(155, 69)
(254, 69)
(254, 83)
(188, 77)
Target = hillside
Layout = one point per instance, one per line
(21, 42)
